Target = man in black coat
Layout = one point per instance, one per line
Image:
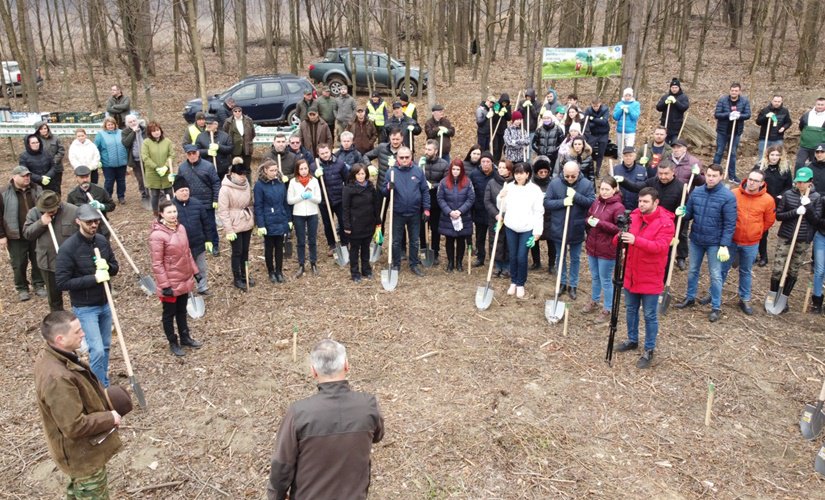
(217, 145)
(204, 185)
(193, 215)
(597, 132)
(101, 200)
(673, 107)
(778, 118)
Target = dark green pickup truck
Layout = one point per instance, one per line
(335, 71)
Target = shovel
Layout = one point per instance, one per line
(665, 298)
(730, 150)
(375, 246)
(136, 388)
(146, 283)
(389, 276)
(54, 238)
(810, 423)
(196, 307)
(775, 302)
(341, 253)
(484, 294)
(427, 254)
(819, 461)
(554, 309)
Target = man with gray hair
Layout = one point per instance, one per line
(323, 446)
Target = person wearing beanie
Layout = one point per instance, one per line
(190, 136)
(480, 177)
(516, 139)
(193, 216)
(731, 112)
(673, 106)
(407, 107)
(235, 210)
(773, 120)
(597, 132)
(484, 117)
(626, 113)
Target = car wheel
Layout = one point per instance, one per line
(292, 118)
(10, 90)
(410, 89)
(335, 84)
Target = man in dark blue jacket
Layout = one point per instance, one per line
(731, 112)
(411, 206)
(334, 173)
(712, 207)
(204, 186)
(192, 214)
(597, 132)
(629, 170)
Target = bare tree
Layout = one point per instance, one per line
(240, 36)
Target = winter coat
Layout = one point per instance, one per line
(344, 109)
(364, 135)
(724, 106)
(204, 183)
(756, 213)
(434, 170)
(64, 225)
(242, 144)
(85, 154)
(112, 152)
(494, 187)
(300, 206)
(682, 170)
(51, 143)
(636, 173)
(480, 181)
(326, 108)
(401, 124)
(361, 210)
(543, 184)
(818, 168)
(455, 198)
(411, 196)
(15, 205)
(235, 206)
(500, 120)
(783, 121)
(118, 108)
(303, 107)
(554, 202)
(598, 125)
(470, 167)
(482, 122)
(315, 133)
(172, 263)
(677, 111)
(157, 154)
(777, 181)
(349, 157)
(585, 161)
(532, 110)
(547, 139)
(75, 270)
(78, 197)
(385, 154)
(74, 410)
(129, 138)
(655, 158)
(271, 208)
(222, 114)
(523, 208)
(40, 163)
(713, 211)
(811, 135)
(287, 161)
(599, 241)
(515, 141)
(192, 215)
(633, 112)
(303, 153)
(670, 194)
(431, 130)
(224, 156)
(786, 214)
(647, 256)
(335, 175)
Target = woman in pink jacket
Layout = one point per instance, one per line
(236, 211)
(175, 271)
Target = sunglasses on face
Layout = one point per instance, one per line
(404, 157)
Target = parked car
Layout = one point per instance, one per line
(13, 78)
(335, 71)
(264, 98)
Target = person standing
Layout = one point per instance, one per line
(472, 160)
(224, 111)
(118, 106)
(216, 145)
(503, 114)
(325, 105)
(547, 138)
(597, 132)
(484, 115)
(114, 157)
(657, 149)
(516, 140)
(133, 136)
(361, 219)
(435, 170)
(731, 112)
(241, 132)
(626, 113)
(304, 194)
(175, 273)
(313, 132)
(712, 208)
(82, 274)
(347, 152)
(334, 174)
(602, 226)
(778, 179)
(778, 118)
(503, 175)
(204, 185)
(408, 126)
(629, 170)
(39, 162)
(272, 216)
(648, 238)
(18, 197)
(52, 146)
(302, 108)
(192, 216)
(344, 109)
(685, 165)
(363, 131)
(320, 450)
(439, 128)
(812, 130)
(82, 151)
(673, 107)
(818, 168)
(235, 209)
(481, 219)
(377, 113)
(455, 198)
(541, 177)
(194, 129)
(79, 421)
(281, 155)
(157, 157)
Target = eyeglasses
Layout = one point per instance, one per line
(95, 222)
(571, 176)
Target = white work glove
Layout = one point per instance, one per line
(410, 127)
(618, 178)
(319, 171)
(571, 192)
(734, 115)
(801, 210)
(694, 169)
(625, 108)
(804, 200)
(723, 254)
(372, 170)
(391, 161)
(490, 114)
(670, 99)
(592, 221)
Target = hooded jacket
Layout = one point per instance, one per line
(172, 262)
(51, 143)
(532, 111)
(129, 138)
(271, 208)
(756, 213)
(647, 256)
(629, 121)
(40, 163)
(112, 152)
(286, 162)
(599, 241)
(192, 216)
(235, 206)
(677, 111)
(713, 211)
(455, 198)
(582, 200)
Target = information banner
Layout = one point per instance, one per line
(584, 62)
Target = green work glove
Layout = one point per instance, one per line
(527, 103)
(694, 169)
(774, 120)
(45, 180)
(213, 149)
(214, 205)
(208, 246)
(674, 242)
(568, 202)
(319, 171)
(284, 178)
(592, 221)
(101, 275)
(161, 171)
(643, 160)
(442, 130)
(619, 178)
(97, 205)
(422, 161)
(670, 99)
(261, 231)
(531, 242)
(723, 255)
(378, 235)
(571, 192)
(498, 225)
(171, 177)
(680, 211)
(502, 111)
(231, 236)
(771, 115)
(372, 170)
(101, 264)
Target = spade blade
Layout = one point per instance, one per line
(554, 311)
(484, 297)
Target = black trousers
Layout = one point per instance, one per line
(455, 249)
(175, 312)
(55, 295)
(274, 245)
(240, 253)
(535, 252)
(434, 238)
(359, 250)
(763, 246)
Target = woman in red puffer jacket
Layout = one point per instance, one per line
(601, 252)
(174, 270)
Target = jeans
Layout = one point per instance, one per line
(747, 256)
(697, 254)
(517, 248)
(112, 175)
(274, 246)
(200, 261)
(211, 228)
(175, 312)
(412, 225)
(306, 227)
(573, 253)
(761, 146)
(649, 303)
(722, 141)
(819, 263)
(96, 322)
(601, 271)
(155, 195)
(21, 253)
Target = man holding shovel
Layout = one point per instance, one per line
(773, 120)
(731, 112)
(673, 107)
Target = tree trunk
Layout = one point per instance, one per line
(294, 36)
(488, 48)
(632, 61)
(240, 36)
(85, 41)
(808, 41)
(71, 38)
(269, 33)
(197, 51)
(703, 35)
(28, 59)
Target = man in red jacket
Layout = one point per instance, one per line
(651, 232)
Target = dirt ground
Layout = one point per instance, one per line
(493, 404)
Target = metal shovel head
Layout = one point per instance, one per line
(819, 461)
(138, 390)
(389, 279)
(484, 297)
(375, 252)
(810, 423)
(554, 311)
(775, 303)
(341, 255)
(427, 257)
(147, 284)
(196, 307)
(664, 301)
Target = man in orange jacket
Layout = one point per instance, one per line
(755, 214)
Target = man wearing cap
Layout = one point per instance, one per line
(398, 120)
(344, 109)
(439, 128)
(731, 112)
(303, 107)
(597, 132)
(224, 111)
(82, 274)
(484, 115)
(363, 131)
(673, 106)
(315, 131)
(49, 224)
(818, 168)
(773, 120)
(194, 129)
(325, 105)
(216, 145)
(193, 216)
(204, 185)
(407, 107)
(241, 132)
(802, 200)
(19, 196)
(80, 420)
(279, 153)
(656, 150)
(812, 130)
(630, 171)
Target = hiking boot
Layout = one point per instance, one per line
(562, 289)
(176, 350)
(705, 300)
(240, 284)
(762, 262)
(603, 317)
(745, 306)
(436, 261)
(368, 276)
(714, 315)
(536, 265)
(204, 292)
(450, 266)
(680, 263)
(299, 272)
(40, 291)
(816, 306)
(590, 307)
(571, 291)
(686, 303)
(356, 278)
(186, 340)
(627, 345)
(478, 262)
(23, 295)
(645, 360)
(459, 267)
(215, 250)
(416, 271)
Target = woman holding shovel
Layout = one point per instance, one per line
(361, 207)
(174, 270)
(455, 197)
(601, 251)
(235, 210)
(304, 194)
(522, 204)
(158, 155)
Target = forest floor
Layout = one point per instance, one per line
(493, 404)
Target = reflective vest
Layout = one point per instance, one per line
(194, 132)
(376, 115)
(409, 110)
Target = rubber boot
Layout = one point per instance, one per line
(787, 289)
(816, 308)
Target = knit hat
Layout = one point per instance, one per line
(403, 97)
(488, 155)
(575, 126)
(627, 91)
(676, 82)
(180, 183)
(516, 115)
(48, 201)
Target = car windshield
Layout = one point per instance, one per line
(331, 56)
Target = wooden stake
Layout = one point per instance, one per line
(566, 316)
(711, 393)
(807, 297)
(294, 343)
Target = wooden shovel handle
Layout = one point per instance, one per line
(117, 240)
(790, 250)
(822, 392)
(326, 200)
(116, 321)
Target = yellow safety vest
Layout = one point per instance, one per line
(409, 110)
(194, 132)
(376, 115)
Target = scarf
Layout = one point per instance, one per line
(303, 180)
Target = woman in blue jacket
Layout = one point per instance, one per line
(455, 198)
(114, 158)
(272, 216)
(626, 113)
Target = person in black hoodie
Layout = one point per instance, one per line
(778, 179)
(597, 132)
(778, 118)
(193, 216)
(361, 219)
(480, 177)
(678, 103)
(45, 171)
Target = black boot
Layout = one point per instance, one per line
(186, 340)
(299, 272)
(279, 277)
(787, 289)
(774, 285)
(450, 266)
(238, 280)
(816, 307)
(314, 269)
(176, 350)
(273, 277)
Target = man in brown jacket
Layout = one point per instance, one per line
(314, 131)
(324, 442)
(363, 131)
(79, 421)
